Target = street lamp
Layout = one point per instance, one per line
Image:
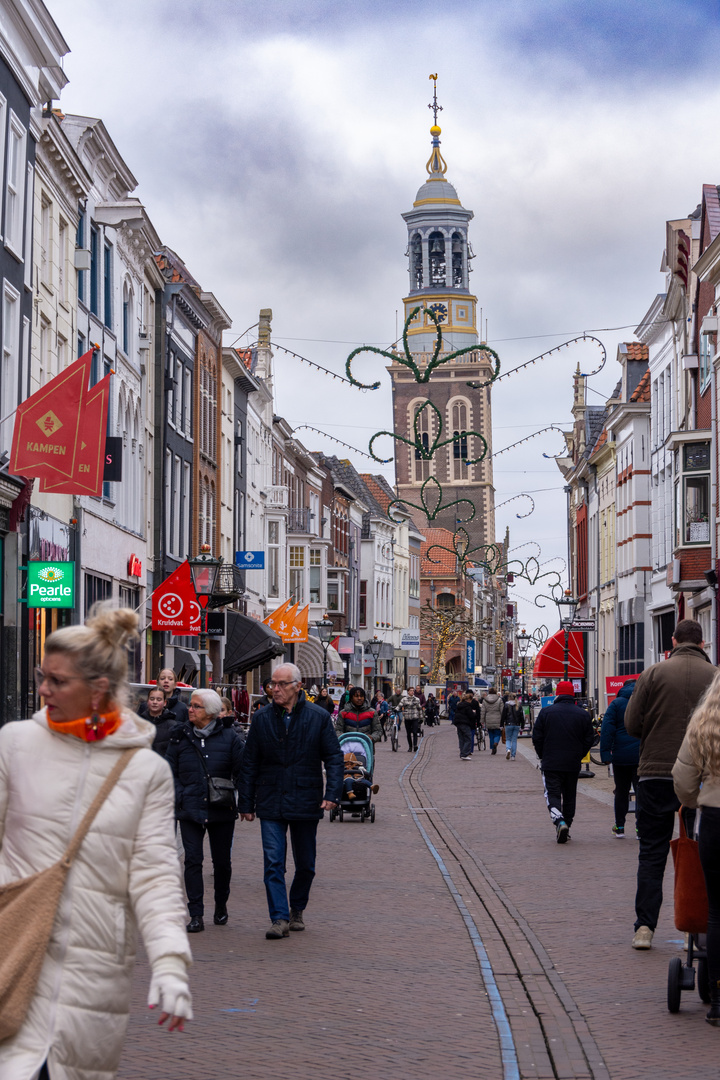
(373, 646)
(523, 641)
(326, 633)
(204, 570)
(567, 605)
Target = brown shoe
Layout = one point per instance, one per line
(296, 920)
(279, 929)
(375, 788)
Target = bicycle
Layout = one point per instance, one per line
(481, 738)
(394, 729)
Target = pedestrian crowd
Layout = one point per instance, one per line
(89, 812)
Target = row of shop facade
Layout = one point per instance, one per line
(641, 470)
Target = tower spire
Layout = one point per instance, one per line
(436, 165)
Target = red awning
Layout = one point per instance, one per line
(549, 662)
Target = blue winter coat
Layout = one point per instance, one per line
(615, 743)
(222, 750)
(281, 775)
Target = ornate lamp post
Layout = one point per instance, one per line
(567, 605)
(523, 641)
(326, 632)
(204, 569)
(373, 646)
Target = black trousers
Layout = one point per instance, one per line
(220, 835)
(412, 729)
(625, 778)
(657, 805)
(465, 739)
(709, 843)
(44, 1074)
(561, 794)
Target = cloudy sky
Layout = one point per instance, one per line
(277, 143)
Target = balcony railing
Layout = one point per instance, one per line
(299, 520)
(277, 498)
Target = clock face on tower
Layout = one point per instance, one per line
(439, 311)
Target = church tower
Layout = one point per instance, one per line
(439, 256)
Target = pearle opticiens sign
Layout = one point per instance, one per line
(51, 584)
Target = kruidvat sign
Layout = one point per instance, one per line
(51, 584)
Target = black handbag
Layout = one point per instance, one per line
(222, 793)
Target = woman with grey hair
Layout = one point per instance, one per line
(204, 755)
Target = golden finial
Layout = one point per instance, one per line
(436, 165)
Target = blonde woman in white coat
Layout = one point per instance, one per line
(126, 875)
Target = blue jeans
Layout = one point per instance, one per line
(274, 841)
(494, 734)
(511, 736)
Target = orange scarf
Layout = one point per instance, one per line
(88, 728)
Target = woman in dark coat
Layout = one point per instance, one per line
(432, 712)
(206, 747)
(325, 701)
(467, 715)
(156, 711)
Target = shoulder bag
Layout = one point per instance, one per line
(691, 903)
(222, 793)
(27, 913)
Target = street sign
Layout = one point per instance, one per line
(250, 560)
(470, 656)
(580, 626)
(410, 639)
(51, 584)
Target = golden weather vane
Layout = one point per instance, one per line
(434, 103)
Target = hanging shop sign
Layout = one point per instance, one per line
(250, 560)
(51, 584)
(134, 566)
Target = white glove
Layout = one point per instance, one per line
(169, 987)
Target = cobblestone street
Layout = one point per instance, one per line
(451, 938)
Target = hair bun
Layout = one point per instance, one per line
(116, 626)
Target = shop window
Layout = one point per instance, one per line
(631, 649)
(96, 589)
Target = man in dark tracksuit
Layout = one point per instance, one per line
(562, 735)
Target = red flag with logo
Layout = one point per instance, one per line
(46, 433)
(174, 604)
(87, 475)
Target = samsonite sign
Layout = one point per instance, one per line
(51, 584)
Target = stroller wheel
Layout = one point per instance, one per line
(703, 981)
(332, 815)
(372, 813)
(340, 813)
(674, 985)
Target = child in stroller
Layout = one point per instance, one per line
(358, 787)
(356, 782)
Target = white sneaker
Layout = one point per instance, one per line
(507, 756)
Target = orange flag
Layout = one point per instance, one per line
(285, 623)
(273, 618)
(299, 629)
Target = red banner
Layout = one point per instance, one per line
(174, 604)
(87, 475)
(46, 433)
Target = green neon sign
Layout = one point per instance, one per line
(51, 584)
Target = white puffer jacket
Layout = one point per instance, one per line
(126, 876)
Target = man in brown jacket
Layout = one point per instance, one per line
(658, 713)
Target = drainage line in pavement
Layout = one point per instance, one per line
(508, 1052)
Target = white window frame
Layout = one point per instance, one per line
(3, 140)
(10, 361)
(14, 187)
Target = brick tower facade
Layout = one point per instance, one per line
(439, 256)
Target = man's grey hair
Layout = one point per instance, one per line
(211, 701)
(294, 670)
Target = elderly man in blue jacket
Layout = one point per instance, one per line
(281, 781)
(562, 735)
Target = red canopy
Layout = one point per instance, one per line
(549, 662)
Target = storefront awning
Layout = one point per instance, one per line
(309, 658)
(249, 643)
(550, 660)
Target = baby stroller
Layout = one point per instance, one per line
(691, 913)
(362, 805)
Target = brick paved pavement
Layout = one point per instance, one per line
(386, 981)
